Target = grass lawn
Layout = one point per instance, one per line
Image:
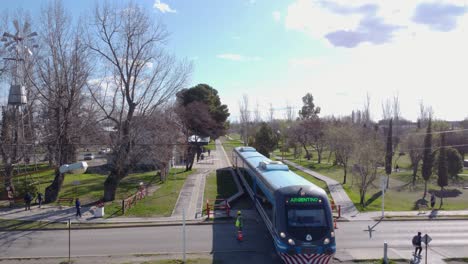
(210, 146)
(219, 185)
(90, 189)
(229, 144)
(401, 196)
(160, 203)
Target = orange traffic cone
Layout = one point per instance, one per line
(240, 237)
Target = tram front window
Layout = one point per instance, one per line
(306, 217)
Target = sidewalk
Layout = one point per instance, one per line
(190, 199)
(349, 211)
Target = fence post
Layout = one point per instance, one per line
(208, 208)
(123, 206)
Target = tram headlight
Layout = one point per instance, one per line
(291, 242)
(332, 234)
(282, 235)
(326, 241)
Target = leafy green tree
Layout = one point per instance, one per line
(442, 170)
(265, 139)
(202, 114)
(454, 162)
(428, 158)
(389, 152)
(309, 110)
(218, 112)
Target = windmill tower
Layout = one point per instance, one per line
(13, 136)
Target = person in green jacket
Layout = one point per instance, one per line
(239, 221)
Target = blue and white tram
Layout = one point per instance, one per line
(296, 212)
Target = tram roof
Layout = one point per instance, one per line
(276, 178)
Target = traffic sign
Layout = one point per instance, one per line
(426, 239)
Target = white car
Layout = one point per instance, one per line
(88, 156)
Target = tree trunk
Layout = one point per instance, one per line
(52, 191)
(425, 190)
(441, 197)
(9, 177)
(307, 152)
(415, 171)
(110, 186)
(388, 182)
(319, 156)
(362, 199)
(345, 173)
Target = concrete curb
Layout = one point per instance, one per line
(122, 225)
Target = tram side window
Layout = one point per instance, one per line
(266, 205)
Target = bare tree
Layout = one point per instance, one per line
(300, 134)
(368, 156)
(366, 117)
(414, 145)
(317, 129)
(387, 111)
(290, 113)
(257, 114)
(62, 71)
(271, 113)
(425, 113)
(341, 138)
(244, 118)
(129, 43)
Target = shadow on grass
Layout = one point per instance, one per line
(447, 193)
(374, 197)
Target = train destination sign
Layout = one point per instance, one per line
(303, 200)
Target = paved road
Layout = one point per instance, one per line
(218, 239)
(450, 239)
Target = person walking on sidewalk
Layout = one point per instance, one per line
(27, 201)
(417, 244)
(78, 207)
(433, 200)
(39, 199)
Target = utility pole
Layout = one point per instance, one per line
(183, 234)
(69, 240)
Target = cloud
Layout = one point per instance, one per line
(163, 7)
(370, 29)
(276, 15)
(349, 24)
(343, 24)
(237, 57)
(438, 16)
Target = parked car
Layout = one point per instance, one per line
(104, 151)
(88, 156)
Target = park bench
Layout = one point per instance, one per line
(422, 208)
(64, 200)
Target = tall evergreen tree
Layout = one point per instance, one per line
(389, 153)
(428, 157)
(442, 169)
(265, 140)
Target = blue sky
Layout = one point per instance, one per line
(338, 50)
